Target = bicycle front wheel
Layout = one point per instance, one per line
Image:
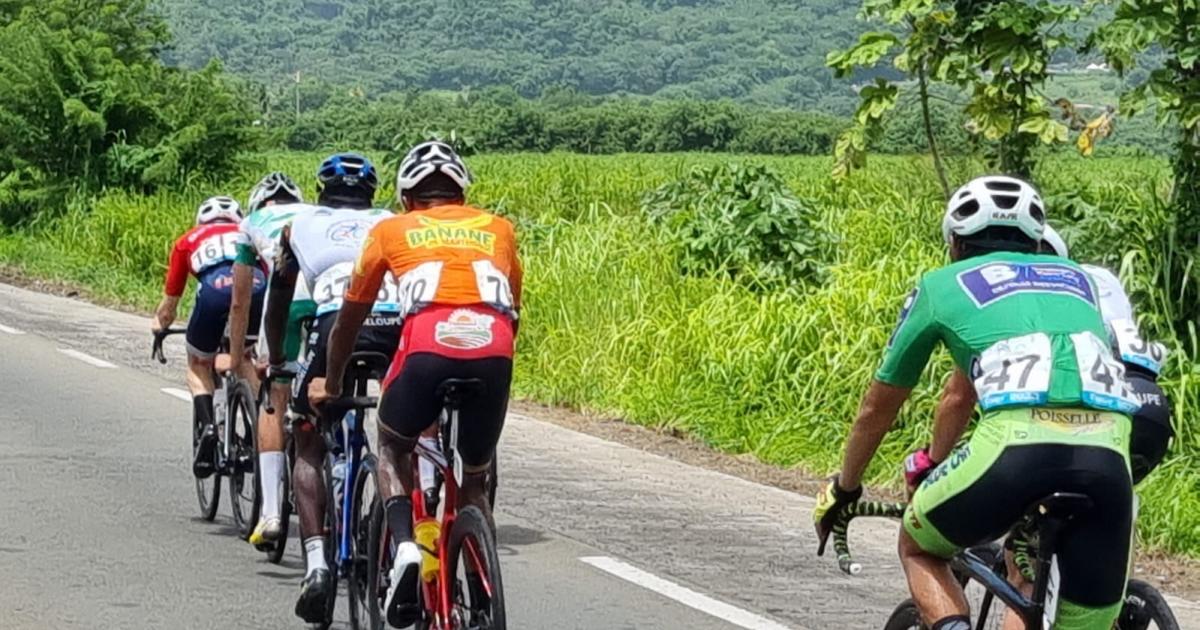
(1145, 609)
(243, 476)
(478, 590)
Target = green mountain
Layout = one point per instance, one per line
(763, 51)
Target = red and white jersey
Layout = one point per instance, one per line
(198, 250)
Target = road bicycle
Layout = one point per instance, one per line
(235, 418)
(1037, 534)
(465, 590)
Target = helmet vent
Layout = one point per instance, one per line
(1005, 202)
(1003, 185)
(1035, 211)
(968, 208)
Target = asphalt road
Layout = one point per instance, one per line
(98, 525)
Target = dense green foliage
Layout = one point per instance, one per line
(498, 119)
(766, 51)
(743, 221)
(611, 324)
(85, 103)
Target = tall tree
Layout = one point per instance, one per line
(997, 51)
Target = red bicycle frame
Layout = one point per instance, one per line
(437, 594)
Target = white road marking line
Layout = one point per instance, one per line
(683, 595)
(175, 392)
(10, 330)
(86, 358)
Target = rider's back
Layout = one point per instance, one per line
(1025, 327)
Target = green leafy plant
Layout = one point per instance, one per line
(998, 52)
(742, 220)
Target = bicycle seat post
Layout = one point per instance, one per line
(1051, 515)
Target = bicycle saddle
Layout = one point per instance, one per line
(1060, 505)
(374, 363)
(455, 390)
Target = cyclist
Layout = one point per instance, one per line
(1056, 406)
(274, 202)
(207, 252)
(460, 293)
(321, 246)
(1152, 430)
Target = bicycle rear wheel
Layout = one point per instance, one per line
(478, 590)
(208, 490)
(365, 503)
(332, 533)
(244, 494)
(905, 617)
(275, 553)
(1145, 609)
(380, 555)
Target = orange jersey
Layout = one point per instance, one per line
(446, 255)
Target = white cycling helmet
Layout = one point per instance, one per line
(216, 209)
(1055, 240)
(272, 185)
(428, 158)
(994, 201)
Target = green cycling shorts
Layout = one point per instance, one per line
(1018, 456)
(300, 311)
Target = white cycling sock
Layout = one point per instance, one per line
(270, 472)
(427, 468)
(314, 554)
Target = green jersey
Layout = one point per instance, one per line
(1026, 328)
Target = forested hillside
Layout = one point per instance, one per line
(765, 51)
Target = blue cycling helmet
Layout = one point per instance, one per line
(351, 170)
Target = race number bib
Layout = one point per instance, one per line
(1133, 349)
(1102, 377)
(330, 287)
(214, 250)
(418, 287)
(1014, 372)
(493, 286)
(388, 300)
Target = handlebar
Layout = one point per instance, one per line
(341, 405)
(156, 351)
(841, 544)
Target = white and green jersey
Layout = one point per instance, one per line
(326, 242)
(258, 237)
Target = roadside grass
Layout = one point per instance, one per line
(611, 326)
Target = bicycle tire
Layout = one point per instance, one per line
(905, 617)
(471, 528)
(380, 552)
(331, 544)
(275, 553)
(243, 474)
(365, 501)
(1145, 605)
(208, 490)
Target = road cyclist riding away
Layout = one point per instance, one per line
(1144, 361)
(460, 292)
(207, 251)
(1055, 408)
(274, 202)
(321, 247)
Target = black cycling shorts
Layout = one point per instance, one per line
(210, 315)
(411, 403)
(1152, 432)
(1093, 551)
(379, 334)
